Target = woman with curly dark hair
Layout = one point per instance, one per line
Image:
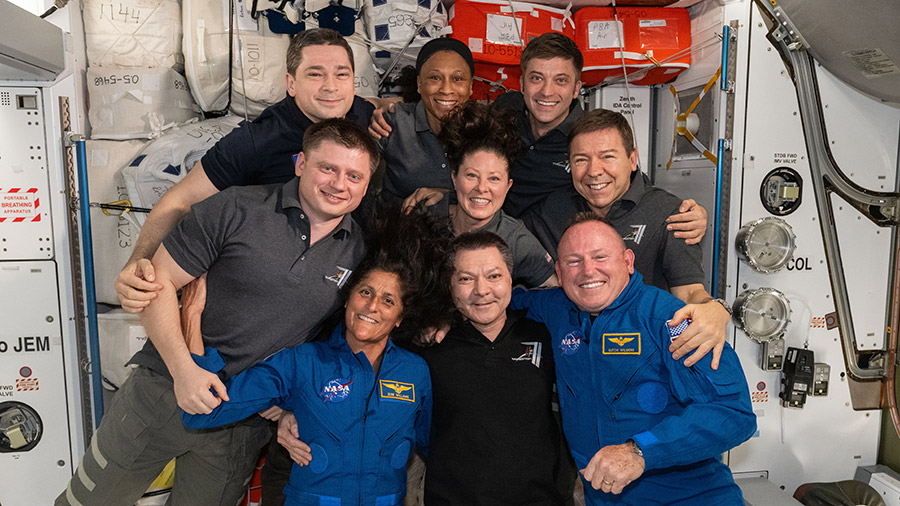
(481, 141)
(362, 404)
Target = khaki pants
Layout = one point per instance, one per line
(142, 431)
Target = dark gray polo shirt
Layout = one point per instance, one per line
(413, 156)
(267, 289)
(543, 166)
(532, 265)
(640, 217)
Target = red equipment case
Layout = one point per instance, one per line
(656, 49)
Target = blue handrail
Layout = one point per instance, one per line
(87, 255)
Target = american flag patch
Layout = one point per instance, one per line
(676, 331)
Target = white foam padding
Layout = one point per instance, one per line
(133, 33)
(392, 24)
(113, 235)
(137, 103)
(121, 336)
(166, 160)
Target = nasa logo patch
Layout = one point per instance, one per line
(570, 344)
(335, 390)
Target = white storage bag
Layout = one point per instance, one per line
(113, 235)
(135, 103)
(166, 160)
(392, 24)
(121, 336)
(133, 33)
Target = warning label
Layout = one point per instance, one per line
(872, 62)
(759, 396)
(26, 384)
(19, 204)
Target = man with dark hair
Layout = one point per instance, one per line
(275, 256)
(319, 86)
(547, 109)
(494, 438)
(643, 429)
(607, 182)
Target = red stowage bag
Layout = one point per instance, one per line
(497, 32)
(492, 80)
(657, 43)
(253, 496)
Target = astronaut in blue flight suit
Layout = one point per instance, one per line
(361, 402)
(642, 428)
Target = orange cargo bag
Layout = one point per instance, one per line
(656, 49)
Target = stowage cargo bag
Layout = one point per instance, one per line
(656, 47)
(133, 33)
(206, 52)
(166, 160)
(113, 235)
(135, 103)
(391, 24)
(258, 69)
(497, 30)
(121, 336)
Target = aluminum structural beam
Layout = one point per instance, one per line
(880, 207)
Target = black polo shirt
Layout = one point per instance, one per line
(262, 151)
(267, 289)
(640, 217)
(413, 155)
(494, 440)
(543, 166)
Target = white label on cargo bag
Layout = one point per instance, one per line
(137, 338)
(651, 23)
(872, 62)
(556, 24)
(604, 34)
(245, 22)
(476, 45)
(504, 30)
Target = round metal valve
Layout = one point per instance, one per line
(766, 244)
(20, 427)
(763, 314)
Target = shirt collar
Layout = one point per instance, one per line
(297, 116)
(575, 112)
(421, 119)
(494, 224)
(468, 331)
(636, 189)
(290, 198)
(338, 339)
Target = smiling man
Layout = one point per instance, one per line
(607, 182)
(642, 428)
(275, 257)
(494, 439)
(319, 82)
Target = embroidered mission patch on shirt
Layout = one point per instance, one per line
(622, 344)
(336, 390)
(570, 343)
(397, 391)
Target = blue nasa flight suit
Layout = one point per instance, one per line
(617, 381)
(361, 428)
